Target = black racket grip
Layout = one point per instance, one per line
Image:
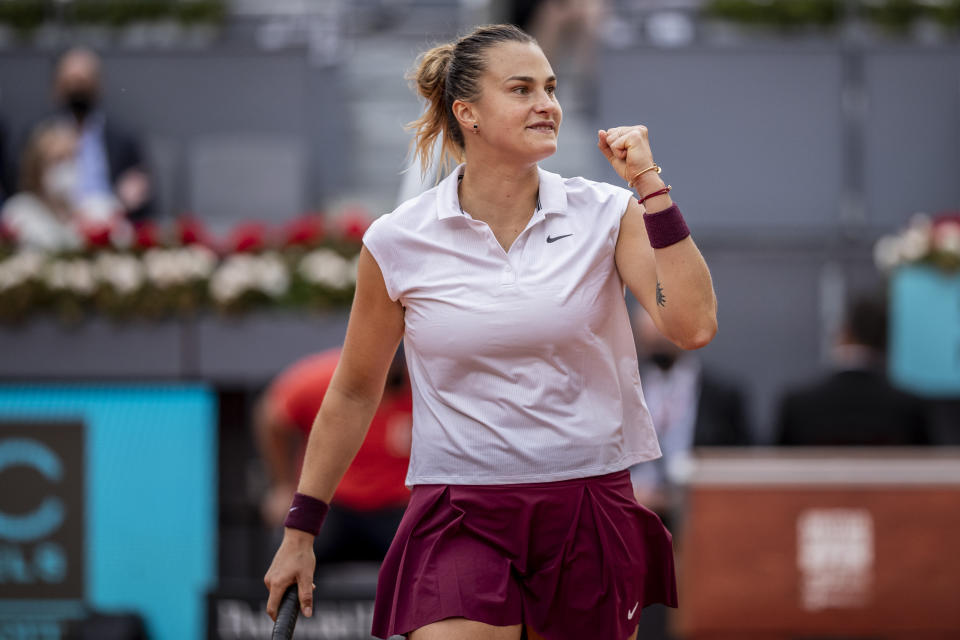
(287, 614)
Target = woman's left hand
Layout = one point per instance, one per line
(627, 149)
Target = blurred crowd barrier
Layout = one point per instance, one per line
(823, 543)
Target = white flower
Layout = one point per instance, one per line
(74, 275)
(201, 260)
(272, 276)
(237, 274)
(20, 268)
(886, 253)
(327, 268)
(915, 243)
(173, 267)
(122, 272)
(159, 267)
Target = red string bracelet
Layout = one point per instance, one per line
(306, 513)
(666, 189)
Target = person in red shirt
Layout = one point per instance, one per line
(371, 499)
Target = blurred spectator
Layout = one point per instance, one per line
(370, 500)
(690, 408)
(41, 214)
(556, 22)
(111, 170)
(565, 26)
(855, 404)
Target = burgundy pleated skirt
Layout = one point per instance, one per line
(573, 559)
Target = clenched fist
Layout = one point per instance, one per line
(627, 149)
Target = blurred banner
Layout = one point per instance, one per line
(237, 612)
(822, 543)
(925, 330)
(107, 506)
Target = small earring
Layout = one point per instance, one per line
(475, 126)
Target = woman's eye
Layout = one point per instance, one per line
(551, 90)
(519, 89)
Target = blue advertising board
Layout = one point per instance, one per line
(924, 351)
(107, 502)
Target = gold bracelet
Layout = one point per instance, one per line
(653, 167)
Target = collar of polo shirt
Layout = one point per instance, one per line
(553, 197)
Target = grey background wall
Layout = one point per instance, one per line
(789, 160)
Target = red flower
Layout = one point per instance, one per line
(96, 235)
(146, 235)
(946, 217)
(353, 223)
(7, 234)
(190, 230)
(304, 231)
(247, 237)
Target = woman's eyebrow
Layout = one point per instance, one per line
(528, 79)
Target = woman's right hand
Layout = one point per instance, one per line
(294, 562)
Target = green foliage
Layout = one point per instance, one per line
(892, 15)
(781, 14)
(895, 16)
(22, 15)
(26, 15)
(947, 13)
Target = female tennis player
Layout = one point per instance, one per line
(506, 283)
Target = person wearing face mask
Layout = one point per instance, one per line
(690, 408)
(111, 173)
(41, 214)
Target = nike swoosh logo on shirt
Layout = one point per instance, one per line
(555, 238)
(632, 611)
(294, 508)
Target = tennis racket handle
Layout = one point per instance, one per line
(287, 614)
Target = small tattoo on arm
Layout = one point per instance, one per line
(661, 297)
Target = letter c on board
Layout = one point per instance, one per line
(49, 515)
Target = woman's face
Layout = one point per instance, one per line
(517, 110)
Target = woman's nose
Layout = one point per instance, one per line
(546, 102)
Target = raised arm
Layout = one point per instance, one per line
(373, 333)
(672, 283)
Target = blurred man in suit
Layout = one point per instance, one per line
(854, 404)
(109, 159)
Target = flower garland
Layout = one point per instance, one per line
(154, 275)
(932, 241)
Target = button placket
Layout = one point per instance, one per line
(508, 275)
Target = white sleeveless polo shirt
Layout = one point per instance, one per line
(522, 362)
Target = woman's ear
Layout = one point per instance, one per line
(465, 113)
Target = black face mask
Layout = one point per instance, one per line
(81, 102)
(663, 361)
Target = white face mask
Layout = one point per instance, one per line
(60, 180)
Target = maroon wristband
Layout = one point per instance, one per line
(306, 513)
(666, 227)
